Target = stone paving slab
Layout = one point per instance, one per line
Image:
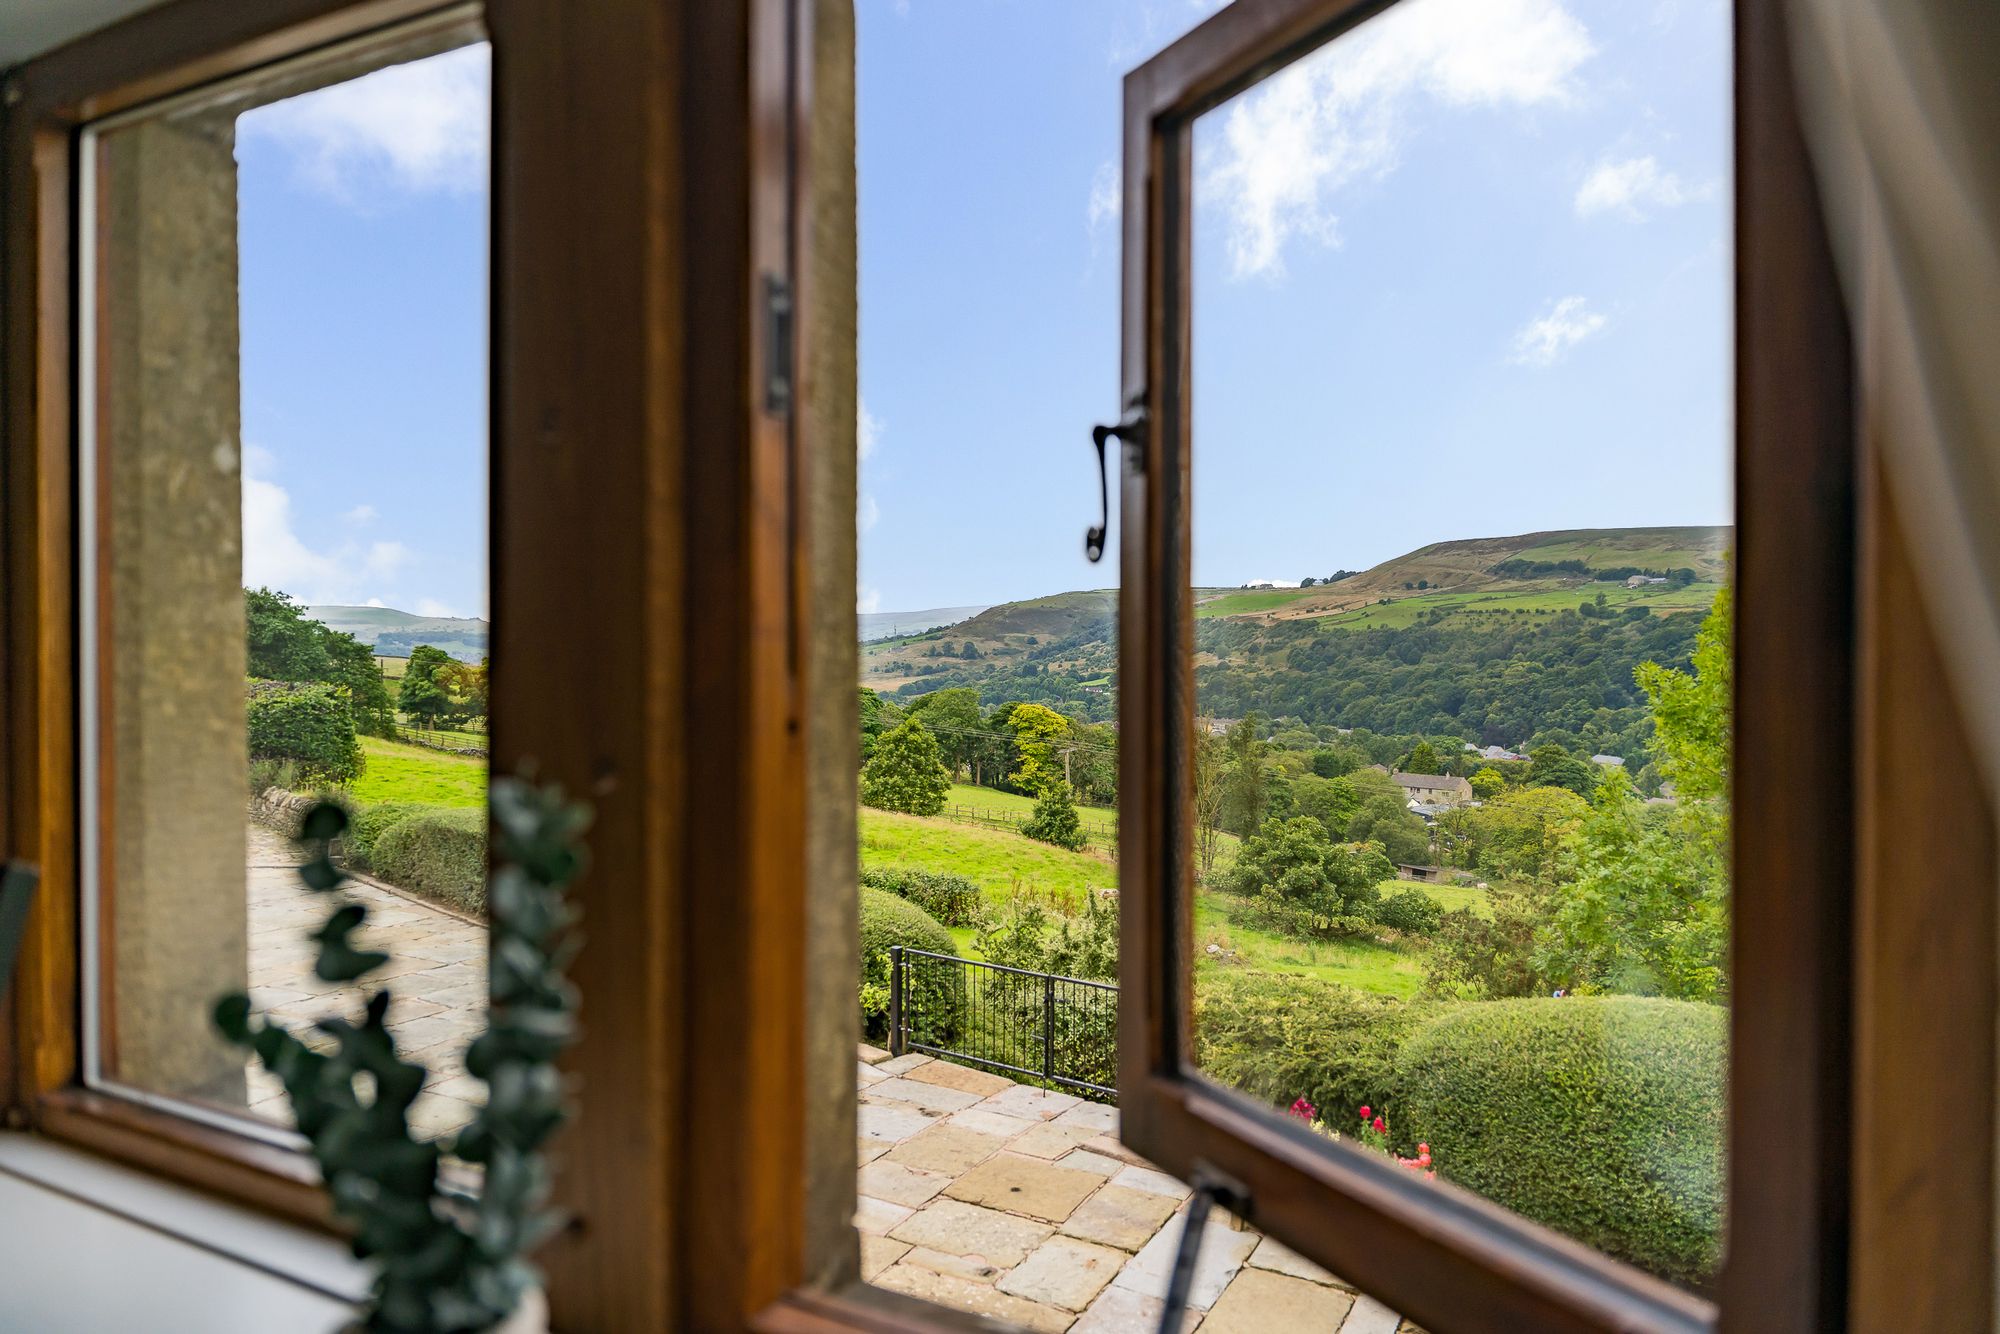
(1046, 1220)
(437, 964)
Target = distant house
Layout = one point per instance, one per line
(1641, 580)
(1496, 753)
(1221, 726)
(1609, 761)
(1434, 789)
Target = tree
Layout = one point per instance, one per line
(1331, 801)
(1208, 794)
(1423, 759)
(1055, 820)
(953, 716)
(1246, 796)
(1552, 766)
(1036, 727)
(905, 773)
(1294, 863)
(1487, 784)
(1519, 834)
(1382, 815)
(282, 644)
(1691, 713)
(420, 694)
(876, 716)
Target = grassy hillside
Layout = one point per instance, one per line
(1499, 600)
(1007, 638)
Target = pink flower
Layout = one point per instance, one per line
(1364, 1112)
(1304, 1110)
(1381, 1126)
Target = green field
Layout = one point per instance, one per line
(995, 859)
(1403, 612)
(400, 772)
(1365, 965)
(1250, 601)
(1449, 897)
(1095, 819)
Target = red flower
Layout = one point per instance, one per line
(1364, 1112)
(1381, 1126)
(1423, 1148)
(1304, 1110)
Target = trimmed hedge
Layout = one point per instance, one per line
(368, 824)
(1279, 1038)
(1601, 1116)
(885, 921)
(952, 899)
(311, 724)
(439, 853)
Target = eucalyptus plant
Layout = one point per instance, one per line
(444, 1264)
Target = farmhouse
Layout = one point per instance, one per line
(1434, 789)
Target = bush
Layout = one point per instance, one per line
(439, 853)
(1280, 1038)
(311, 724)
(952, 899)
(1599, 1116)
(905, 772)
(1055, 820)
(369, 823)
(936, 999)
(1410, 911)
(267, 774)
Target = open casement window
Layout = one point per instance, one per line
(1442, 1256)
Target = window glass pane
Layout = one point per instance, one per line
(1461, 431)
(286, 562)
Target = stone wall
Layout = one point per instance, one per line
(170, 584)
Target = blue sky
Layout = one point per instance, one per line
(362, 234)
(1464, 273)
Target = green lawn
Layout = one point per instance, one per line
(400, 772)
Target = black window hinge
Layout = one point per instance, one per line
(779, 350)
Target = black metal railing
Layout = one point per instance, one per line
(1061, 1032)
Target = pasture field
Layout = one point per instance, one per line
(1365, 965)
(1448, 897)
(397, 771)
(1095, 819)
(1249, 601)
(997, 860)
(1659, 599)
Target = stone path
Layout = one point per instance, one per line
(1019, 1203)
(437, 962)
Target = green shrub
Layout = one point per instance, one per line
(952, 899)
(439, 853)
(368, 824)
(905, 773)
(1279, 1038)
(936, 1003)
(1055, 820)
(1600, 1116)
(269, 773)
(1410, 911)
(311, 724)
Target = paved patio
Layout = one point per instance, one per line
(437, 961)
(1021, 1204)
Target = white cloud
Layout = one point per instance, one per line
(866, 513)
(1629, 187)
(867, 601)
(867, 430)
(1545, 339)
(432, 607)
(422, 127)
(375, 602)
(1107, 196)
(276, 555)
(361, 514)
(1288, 148)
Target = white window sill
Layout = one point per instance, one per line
(93, 1246)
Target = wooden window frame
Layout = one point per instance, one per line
(1442, 1256)
(646, 553)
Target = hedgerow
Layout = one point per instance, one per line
(1599, 1116)
(311, 724)
(953, 899)
(438, 853)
